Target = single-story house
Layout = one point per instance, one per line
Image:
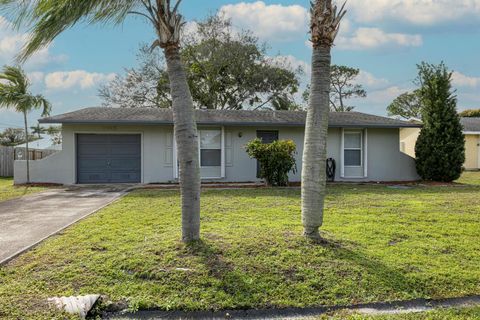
(471, 130)
(119, 145)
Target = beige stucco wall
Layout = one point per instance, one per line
(409, 136)
(408, 139)
(472, 151)
(384, 160)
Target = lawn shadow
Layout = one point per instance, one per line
(391, 278)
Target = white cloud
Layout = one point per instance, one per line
(370, 81)
(75, 79)
(461, 80)
(273, 22)
(417, 12)
(374, 38)
(11, 43)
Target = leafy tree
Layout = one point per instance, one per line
(38, 130)
(324, 26)
(225, 70)
(440, 148)
(48, 19)
(343, 87)
(15, 94)
(407, 105)
(276, 160)
(13, 137)
(470, 113)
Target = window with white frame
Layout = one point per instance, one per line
(210, 148)
(353, 149)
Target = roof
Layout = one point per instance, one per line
(153, 116)
(471, 124)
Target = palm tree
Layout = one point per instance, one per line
(324, 27)
(38, 130)
(49, 18)
(14, 86)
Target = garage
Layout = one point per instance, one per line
(108, 158)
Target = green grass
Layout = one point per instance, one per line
(385, 244)
(9, 191)
(468, 313)
(470, 178)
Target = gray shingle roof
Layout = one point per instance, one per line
(471, 124)
(150, 116)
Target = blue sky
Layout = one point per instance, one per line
(385, 39)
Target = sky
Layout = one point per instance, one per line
(385, 39)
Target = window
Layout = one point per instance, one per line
(210, 148)
(353, 149)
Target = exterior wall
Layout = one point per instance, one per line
(409, 136)
(384, 160)
(472, 152)
(157, 155)
(408, 139)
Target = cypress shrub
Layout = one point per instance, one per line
(440, 148)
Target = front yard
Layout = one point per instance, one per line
(9, 191)
(385, 244)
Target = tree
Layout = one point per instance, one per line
(324, 27)
(38, 130)
(226, 69)
(14, 93)
(407, 106)
(12, 137)
(470, 113)
(49, 18)
(342, 87)
(440, 148)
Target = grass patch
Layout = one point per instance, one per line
(470, 178)
(385, 244)
(9, 191)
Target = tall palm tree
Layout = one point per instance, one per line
(49, 18)
(14, 93)
(324, 27)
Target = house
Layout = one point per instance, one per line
(471, 130)
(119, 145)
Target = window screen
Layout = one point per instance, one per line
(210, 148)
(353, 149)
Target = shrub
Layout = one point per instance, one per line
(440, 148)
(470, 113)
(276, 160)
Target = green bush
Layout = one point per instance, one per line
(470, 113)
(276, 160)
(440, 148)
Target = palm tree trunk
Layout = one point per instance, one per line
(26, 146)
(315, 144)
(187, 145)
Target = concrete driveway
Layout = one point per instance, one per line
(26, 221)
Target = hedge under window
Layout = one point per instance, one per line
(210, 148)
(353, 149)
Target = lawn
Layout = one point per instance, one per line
(470, 178)
(9, 191)
(384, 244)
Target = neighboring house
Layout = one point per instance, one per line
(471, 130)
(116, 145)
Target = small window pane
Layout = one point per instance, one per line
(353, 140)
(210, 139)
(353, 158)
(211, 157)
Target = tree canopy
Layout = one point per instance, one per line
(470, 113)
(343, 87)
(440, 147)
(407, 106)
(226, 70)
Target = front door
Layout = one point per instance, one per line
(266, 137)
